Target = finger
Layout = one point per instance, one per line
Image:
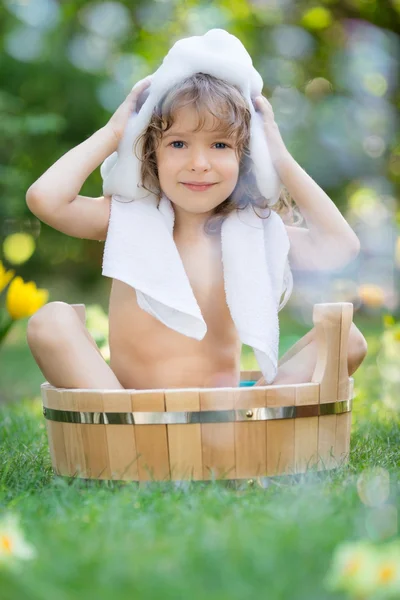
(136, 91)
(261, 100)
(264, 106)
(141, 85)
(258, 102)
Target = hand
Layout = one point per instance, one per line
(118, 121)
(276, 145)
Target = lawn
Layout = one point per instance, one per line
(205, 540)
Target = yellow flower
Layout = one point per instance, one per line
(363, 569)
(24, 299)
(12, 542)
(5, 277)
(388, 569)
(353, 569)
(387, 573)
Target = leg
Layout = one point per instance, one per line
(297, 365)
(65, 351)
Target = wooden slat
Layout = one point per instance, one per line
(55, 436)
(328, 324)
(49, 395)
(250, 437)
(121, 442)
(306, 429)
(55, 432)
(73, 438)
(343, 431)
(245, 375)
(327, 320)
(151, 440)
(218, 439)
(94, 437)
(184, 440)
(255, 375)
(250, 375)
(280, 433)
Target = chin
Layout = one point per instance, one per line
(195, 210)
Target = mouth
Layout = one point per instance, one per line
(196, 187)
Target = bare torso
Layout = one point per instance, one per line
(145, 354)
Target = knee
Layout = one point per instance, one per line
(50, 321)
(357, 349)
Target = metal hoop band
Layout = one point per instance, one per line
(204, 416)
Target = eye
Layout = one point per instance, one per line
(180, 142)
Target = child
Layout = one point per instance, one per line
(144, 353)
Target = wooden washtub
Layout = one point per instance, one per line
(210, 433)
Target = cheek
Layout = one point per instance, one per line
(232, 167)
(166, 162)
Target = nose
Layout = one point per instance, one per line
(199, 160)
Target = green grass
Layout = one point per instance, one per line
(118, 540)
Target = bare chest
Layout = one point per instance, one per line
(203, 266)
(204, 269)
(147, 354)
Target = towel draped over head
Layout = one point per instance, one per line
(140, 248)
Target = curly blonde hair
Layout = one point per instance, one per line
(227, 104)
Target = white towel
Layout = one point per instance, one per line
(140, 249)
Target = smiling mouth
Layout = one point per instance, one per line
(195, 187)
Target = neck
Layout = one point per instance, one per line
(190, 225)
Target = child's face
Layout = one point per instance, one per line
(204, 156)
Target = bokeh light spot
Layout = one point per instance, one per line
(317, 18)
(375, 83)
(372, 295)
(18, 247)
(373, 486)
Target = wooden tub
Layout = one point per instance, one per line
(210, 433)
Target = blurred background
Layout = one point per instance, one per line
(330, 70)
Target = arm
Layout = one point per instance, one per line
(329, 242)
(329, 239)
(61, 183)
(54, 198)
